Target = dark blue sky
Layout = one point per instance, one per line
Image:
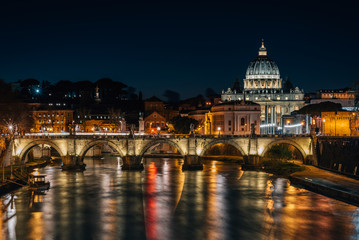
(182, 46)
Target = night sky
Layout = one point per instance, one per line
(182, 46)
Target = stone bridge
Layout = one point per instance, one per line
(73, 148)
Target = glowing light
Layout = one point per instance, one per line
(198, 151)
(36, 172)
(268, 125)
(292, 126)
(260, 150)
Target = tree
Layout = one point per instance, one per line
(279, 152)
(131, 95)
(116, 118)
(110, 90)
(210, 93)
(181, 125)
(172, 96)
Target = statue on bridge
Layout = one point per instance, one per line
(191, 127)
(132, 130)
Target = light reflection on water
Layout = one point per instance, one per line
(162, 202)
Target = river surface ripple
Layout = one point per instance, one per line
(162, 202)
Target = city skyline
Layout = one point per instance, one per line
(178, 46)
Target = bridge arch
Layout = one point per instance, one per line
(289, 142)
(35, 143)
(224, 141)
(98, 142)
(157, 141)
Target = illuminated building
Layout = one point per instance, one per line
(343, 96)
(99, 121)
(234, 117)
(155, 104)
(54, 120)
(296, 123)
(263, 85)
(340, 123)
(154, 122)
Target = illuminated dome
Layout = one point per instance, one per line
(262, 67)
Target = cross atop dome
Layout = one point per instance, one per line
(262, 49)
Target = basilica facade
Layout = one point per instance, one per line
(264, 86)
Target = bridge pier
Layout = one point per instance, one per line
(252, 161)
(192, 162)
(132, 163)
(311, 160)
(72, 163)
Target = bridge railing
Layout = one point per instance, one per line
(144, 136)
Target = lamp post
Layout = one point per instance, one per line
(12, 130)
(219, 131)
(335, 124)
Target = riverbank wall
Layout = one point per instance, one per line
(340, 154)
(343, 194)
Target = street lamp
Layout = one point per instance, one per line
(219, 131)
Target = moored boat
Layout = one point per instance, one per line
(38, 182)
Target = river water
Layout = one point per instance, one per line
(162, 202)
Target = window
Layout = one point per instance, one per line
(229, 123)
(39, 115)
(154, 115)
(242, 122)
(229, 129)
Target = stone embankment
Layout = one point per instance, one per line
(328, 183)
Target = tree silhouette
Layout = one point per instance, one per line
(181, 125)
(172, 96)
